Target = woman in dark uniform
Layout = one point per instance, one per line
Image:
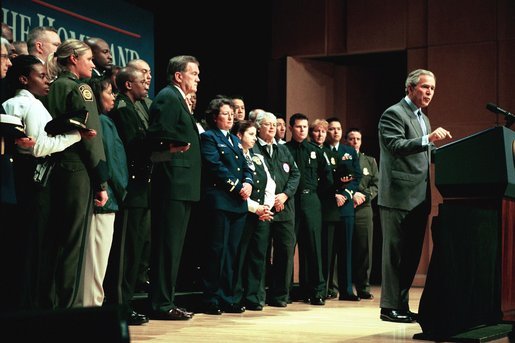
(228, 184)
(252, 252)
(79, 178)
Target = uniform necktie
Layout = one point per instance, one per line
(334, 149)
(270, 149)
(228, 135)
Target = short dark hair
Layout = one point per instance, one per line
(331, 119)
(213, 109)
(352, 129)
(98, 85)
(297, 116)
(22, 65)
(241, 126)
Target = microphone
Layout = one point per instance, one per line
(496, 109)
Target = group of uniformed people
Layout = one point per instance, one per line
(262, 197)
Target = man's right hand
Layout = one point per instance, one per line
(174, 149)
(439, 134)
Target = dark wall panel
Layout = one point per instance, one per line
(506, 22)
(507, 76)
(376, 25)
(336, 27)
(460, 21)
(298, 28)
(465, 82)
(416, 34)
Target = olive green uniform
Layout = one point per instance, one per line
(80, 169)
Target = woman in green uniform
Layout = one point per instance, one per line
(78, 180)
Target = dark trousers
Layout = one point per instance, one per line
(328, 256)
(252, 258)
(343, 251)
(221, 262)
(64, 242)
(137, 237)
(403, 237)
(362, 248)
(308, 230)
(283, 246)
(169, 223)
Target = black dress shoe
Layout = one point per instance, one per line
(397, 316)
(214, 309)
(136, 318)
(331, 295)
(173, 314)
(317, 301)
(277, 303)
(188, 312)
(413, 315)
(254, 307)
(365, 295)
(349, 297)
(233, 308)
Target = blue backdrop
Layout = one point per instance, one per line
(128, 29)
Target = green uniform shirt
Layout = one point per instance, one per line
(69, 94)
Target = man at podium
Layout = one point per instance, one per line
(404, 199)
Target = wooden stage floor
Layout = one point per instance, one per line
(337, 321)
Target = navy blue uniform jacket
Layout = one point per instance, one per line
(224, 171)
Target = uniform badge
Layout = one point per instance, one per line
(365, 171)
(313, 155)
(256, 160)
(86, 92)
(286, 167)
(346, 156)
(333, 161)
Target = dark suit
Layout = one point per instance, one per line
(364, 225)
(403, 199)
(175, 185)
(224, 172)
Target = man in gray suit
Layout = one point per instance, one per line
(404, 198)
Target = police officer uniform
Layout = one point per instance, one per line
(224, 171)
(364, 226)
(347, 163)
(134, 218)
(254, 242)
(286, 175)
(80, 170)
(315, 177)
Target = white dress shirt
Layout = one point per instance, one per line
(35, 116)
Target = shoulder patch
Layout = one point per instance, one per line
(86, 92)
(121, 104)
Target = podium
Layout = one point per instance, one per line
(470, 281)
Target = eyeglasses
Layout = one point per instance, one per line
(4, 56)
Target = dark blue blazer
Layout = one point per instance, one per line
(224, 170)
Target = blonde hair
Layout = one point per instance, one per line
(318, 122)
(58, 61)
